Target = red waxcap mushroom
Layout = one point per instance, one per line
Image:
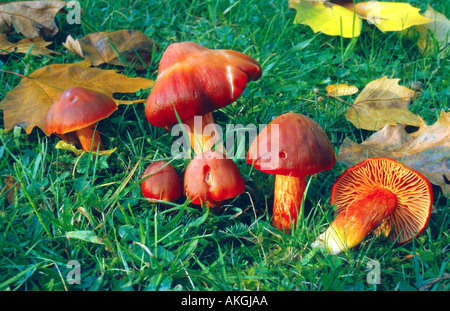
(78, 110)
(161, 182)
(211, 178)
(292, 146)
(377, 192)
(194, 81)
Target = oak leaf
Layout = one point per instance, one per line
(427, 150)
(120, 47)
(27, 104)
(30, 18)
(38, 46)
(382, 101)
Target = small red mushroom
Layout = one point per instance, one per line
(161, 182)
(292, 146)
(78, 110)
(211, 178)
(193, 81)
(378, 192)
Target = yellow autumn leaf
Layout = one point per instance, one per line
(67, 146)
(328, 18)
(390, 16)
(382, 101)
(341, 89)
(344, 18)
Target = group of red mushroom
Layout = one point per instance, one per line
(377, 194)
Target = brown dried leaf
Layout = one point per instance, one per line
(27, 104)
(8, 189)
(120, 47)
(426, 150)
(382, 102)
(39, 46)
(30, 18)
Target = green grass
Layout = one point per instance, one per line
(91, 210)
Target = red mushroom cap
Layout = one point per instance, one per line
(195, 80)
(163, 182)
(77, 108)
(292, 144)
(212, 177)
(413, 191)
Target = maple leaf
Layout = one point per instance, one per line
(30, 18)
(427, 150)
(27, 104)
(382, 101)
(344, 18)
(120, 47)
(38, 45)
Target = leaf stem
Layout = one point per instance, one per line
(14, 73)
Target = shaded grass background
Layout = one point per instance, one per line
(91, 210)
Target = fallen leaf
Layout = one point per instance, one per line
(326, 17)
(341, 89)
(382, 101)
(63, 145)
(427, 150)
(390, 16)
(8, 189)
(120, 47)
(38, 45)
(27, 104)
(85, 235)
(438, 29)
(30, 18)
(343, 18)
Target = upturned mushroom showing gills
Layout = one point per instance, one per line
(377, 192)
(161, 182)
(194, 81)
(78, 110)
(292, 146)
(211, 178)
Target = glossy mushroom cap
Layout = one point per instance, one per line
(413, 192)
(292, 144)
(163, 182)
(77, 108)
(211, 178)
(194, 80)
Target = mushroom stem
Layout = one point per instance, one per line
(203, 133)
(85, 136)
(288, 196)
(361, 217)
